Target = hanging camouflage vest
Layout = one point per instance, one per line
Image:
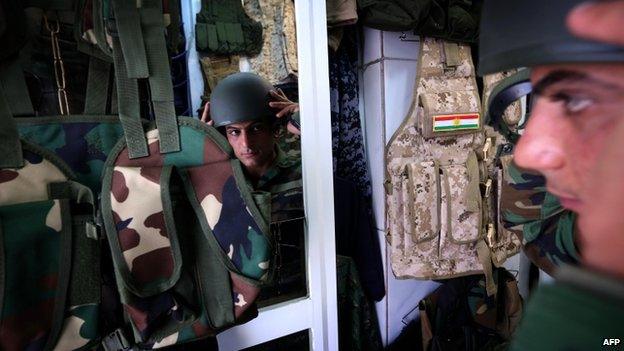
(189, 254)
(224, 28)
(189, 243)
(441, 180)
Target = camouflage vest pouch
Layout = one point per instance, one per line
(436, 216)
(503, 241)
(190, 245)
(50, 286)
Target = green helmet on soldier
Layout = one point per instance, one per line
(241, 97)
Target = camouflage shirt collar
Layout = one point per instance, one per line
(282, 162)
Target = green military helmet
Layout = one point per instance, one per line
(525, 33)
(241, 97)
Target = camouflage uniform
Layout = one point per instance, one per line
(176, 233)
(529, 210)
(283, 181)
(43, 304)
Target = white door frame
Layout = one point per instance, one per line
(317, 311)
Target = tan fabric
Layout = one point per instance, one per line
(334, 37)
(278, 58)
(215, 68)
(441, 175)
(341, 13)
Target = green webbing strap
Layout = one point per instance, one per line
(128, 22)
(10, 146)
(161, 87)
(113, 103)
(15, 89)
(129, 105)
(97, 87)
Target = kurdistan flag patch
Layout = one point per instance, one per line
(451, 123)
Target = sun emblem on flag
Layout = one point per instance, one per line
(456, 121)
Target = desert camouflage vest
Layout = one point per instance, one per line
(441, 175)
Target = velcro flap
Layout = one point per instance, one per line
(449, 113)
(144, 242)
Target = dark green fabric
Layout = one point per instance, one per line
(358, 328)
(455, 20)
(15, 33)
(526, 33)
(161, 87)
(65, 259)
(573, 314)
(129, 105)
(224, 28)
(97, 87)
(175, 39)
(128, 22)
(10, 146)
(15, 89)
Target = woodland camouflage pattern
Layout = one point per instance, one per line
(437, 216)
(31, 224)
(84, 146)
(144, 238)
(535, 215)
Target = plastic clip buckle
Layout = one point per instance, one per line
(116, 341)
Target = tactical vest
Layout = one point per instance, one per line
(188, 238)
(224, 28)
(441, 177)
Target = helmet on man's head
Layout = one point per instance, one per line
(241, 97)
(526, 33)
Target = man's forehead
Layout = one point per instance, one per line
(608, 74)
(243, 125)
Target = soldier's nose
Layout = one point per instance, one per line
(540, 146)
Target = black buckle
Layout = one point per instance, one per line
(116, 341)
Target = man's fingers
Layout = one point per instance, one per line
(601, 21)
(206, 114)
(279, 104)
(277, 96)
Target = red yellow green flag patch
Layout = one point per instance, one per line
(451, 123)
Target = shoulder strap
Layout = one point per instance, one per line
(140, 52)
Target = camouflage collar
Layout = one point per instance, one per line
(281, 163)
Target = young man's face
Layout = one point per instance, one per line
(575, 109)
(253, 143)
(575, 123)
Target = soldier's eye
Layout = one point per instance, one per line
(577, 105)
(233, 132)
(574, 104)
